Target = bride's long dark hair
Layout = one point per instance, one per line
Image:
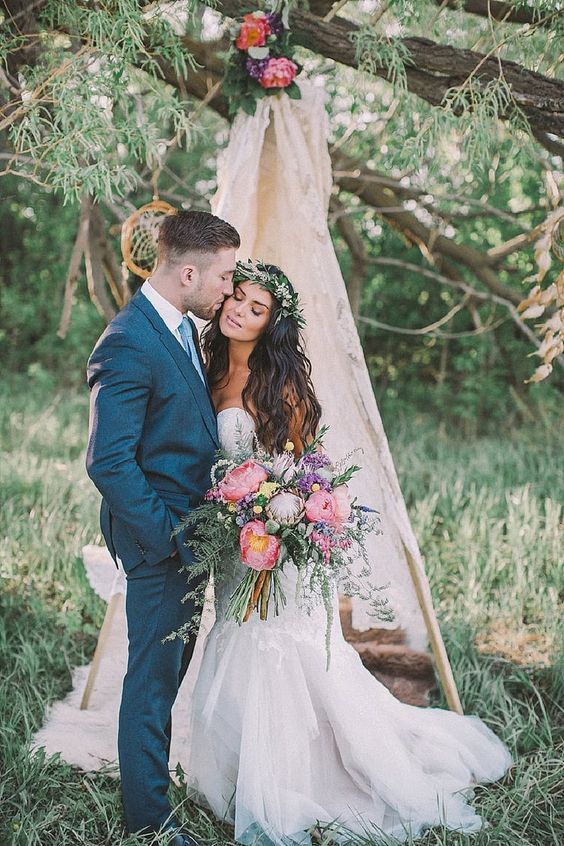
(279, 394)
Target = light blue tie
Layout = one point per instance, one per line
(185, 330)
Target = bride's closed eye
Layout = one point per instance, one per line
(239, 296)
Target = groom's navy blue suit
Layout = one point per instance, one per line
(152, 441)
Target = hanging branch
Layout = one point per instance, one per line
(375, 190)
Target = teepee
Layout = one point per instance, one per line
(274, 184)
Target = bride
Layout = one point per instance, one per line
(279, 744)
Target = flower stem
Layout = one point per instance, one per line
(255, 595)
(264, 595)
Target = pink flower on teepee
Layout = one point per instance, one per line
(278, 73)
(254, 31)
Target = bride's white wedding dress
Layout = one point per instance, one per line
(279, 743)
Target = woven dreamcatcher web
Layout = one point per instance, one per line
(140, 236)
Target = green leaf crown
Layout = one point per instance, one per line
(276, 283)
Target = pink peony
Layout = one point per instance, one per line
(243, 480)
(253, 33)
(343, 500)
(278, 73)
(321, 507)
(258, 550)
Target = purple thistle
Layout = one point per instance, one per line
(275, 22)
(314, 460)
(255, 67)
(306, 482)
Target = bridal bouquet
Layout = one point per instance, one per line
(276, 511)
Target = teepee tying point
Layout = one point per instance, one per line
(274, 185)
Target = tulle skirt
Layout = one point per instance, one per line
(279, 743)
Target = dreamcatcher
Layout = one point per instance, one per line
(140, 236)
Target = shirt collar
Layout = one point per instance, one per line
(170, 315)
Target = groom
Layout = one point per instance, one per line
(151, 446)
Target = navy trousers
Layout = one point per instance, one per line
(154, 673)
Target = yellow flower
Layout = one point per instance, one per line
(232, 507)
(289, 447)
(257, 509)
(268, 488)
(315, 487)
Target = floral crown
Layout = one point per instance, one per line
(277, 284)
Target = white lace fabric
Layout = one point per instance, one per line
(279, 743)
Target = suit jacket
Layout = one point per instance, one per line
(153, 435)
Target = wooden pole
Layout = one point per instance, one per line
(434, 633)
(116, 600)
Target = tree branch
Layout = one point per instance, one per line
(96, 264)
(379, 192)
(471, 292)
(433, 69)
(74, 267)
(355, 277)
(505, 12)
(433, 328)
(429, 241)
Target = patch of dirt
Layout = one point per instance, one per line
(526, 645)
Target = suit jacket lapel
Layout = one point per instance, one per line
(196, 340)
(182, 360)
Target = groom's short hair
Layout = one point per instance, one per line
(194, 232)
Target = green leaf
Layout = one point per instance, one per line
(248, 104)
(293, 91)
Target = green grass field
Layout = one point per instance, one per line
(487, 515)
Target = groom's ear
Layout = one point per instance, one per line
(189, 275)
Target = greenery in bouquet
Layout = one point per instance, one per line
(274, 511)
(260, 62)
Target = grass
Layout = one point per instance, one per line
(487, 516)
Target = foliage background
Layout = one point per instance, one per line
(114, 114)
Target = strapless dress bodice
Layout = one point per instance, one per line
(235, 428)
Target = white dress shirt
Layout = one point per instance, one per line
(170, 315)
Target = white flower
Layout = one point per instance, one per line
(283, 467)
(258, 52)
(286, 508)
